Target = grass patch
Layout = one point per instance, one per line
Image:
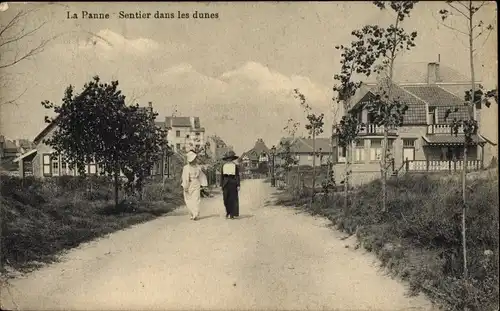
(419, 237)
(42, 218)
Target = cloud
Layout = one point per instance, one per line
(241, 105)
(106, 41)
(261, 77)
(252, 101)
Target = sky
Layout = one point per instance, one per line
(235, 72)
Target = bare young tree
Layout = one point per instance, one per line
(16, 46)
(477, 32)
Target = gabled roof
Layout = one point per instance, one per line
(182, 122)
(27, 154)
(258, 149)
(418, 97)
(44, 132)
(416, 72)
(305, 145)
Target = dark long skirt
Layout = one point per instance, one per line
(231, 200)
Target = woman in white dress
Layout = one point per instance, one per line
(193, 179)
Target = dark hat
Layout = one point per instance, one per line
(230, 155)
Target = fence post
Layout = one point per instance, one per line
(407, 165)
(427, 161)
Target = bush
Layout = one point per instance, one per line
(419, 237)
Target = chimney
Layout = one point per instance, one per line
(191, 119)
(433, 73)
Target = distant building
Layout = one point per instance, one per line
(10, 149)
(216, 147)
(251, 159)
(302, 149)
(424, 143)
(42, 161)
(184, 133)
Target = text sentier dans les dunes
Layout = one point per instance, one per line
(142, 15)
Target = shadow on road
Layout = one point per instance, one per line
(245, 216)
(208, 216)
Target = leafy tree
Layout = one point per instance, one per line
(147, 145)
(287, 158)
(97, 126)
(355, 59)
(380, 47)
(291, 129)
(475, 30)
(314, 128)
(347, 132)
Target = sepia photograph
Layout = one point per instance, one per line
(286, 155)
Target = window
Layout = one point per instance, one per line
(55, 164)
(92, 168)
(375, 149)
(432, 116)
(177, 147)
(370, 118)
(47, 169)
(64, 168)
(187, 135)
(341, 153)
(178, 133)
(409, 142)
(359, 151)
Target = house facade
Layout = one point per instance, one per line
(302, 149)
(255, 157)
(42, 161)
(424, 143)
(184, 133)
(216, 147)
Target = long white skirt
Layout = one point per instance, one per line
(192, 199)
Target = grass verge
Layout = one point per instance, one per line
(39, 218)
(419, 237)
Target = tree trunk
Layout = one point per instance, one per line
(348, 153)
(116, 184)
(314, 164)
(464, 213)
(384, 170)
(471, 117)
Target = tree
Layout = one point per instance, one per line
(13, 32)
(287, 158)
(285, 150)
(347, 132)
(147, 145)
(97, 126)
(476, 30)
(381, 46)
(355, 59)
(314, 128)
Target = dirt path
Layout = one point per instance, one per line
(271, 258)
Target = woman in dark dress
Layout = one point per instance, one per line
(230, 184)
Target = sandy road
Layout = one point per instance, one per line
(271, 258)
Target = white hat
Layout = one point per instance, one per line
(191, 156)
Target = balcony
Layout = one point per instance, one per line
(441, 166)
(442, 129)
(375, 130)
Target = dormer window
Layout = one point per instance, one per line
(432, 115)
